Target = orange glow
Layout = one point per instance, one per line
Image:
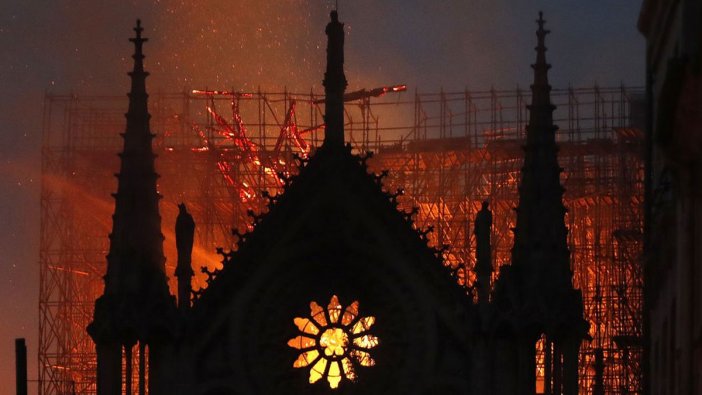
(215, 176)
(337, 337)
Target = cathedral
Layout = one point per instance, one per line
(335, 291)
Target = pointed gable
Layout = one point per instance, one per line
(335, 232)
(332, 236)
(334, 206)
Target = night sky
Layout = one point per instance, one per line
(81, 46)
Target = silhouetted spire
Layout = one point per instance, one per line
(541, 109)
(139, 75)
(136, 264)
(136, 306)
(539, 282)
(334, 83)
(138, 114)
(540, 243)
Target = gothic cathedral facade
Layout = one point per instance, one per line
(335, 291)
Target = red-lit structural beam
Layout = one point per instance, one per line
(363, 93)
(222, 93)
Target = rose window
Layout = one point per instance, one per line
(333, 342)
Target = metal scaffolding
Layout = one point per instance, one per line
(448, 151)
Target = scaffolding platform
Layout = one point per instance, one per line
(448, 152)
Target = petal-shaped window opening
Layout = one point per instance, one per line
(333, 342)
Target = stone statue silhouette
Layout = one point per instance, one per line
(483, 265)
(185, 231)
(482, 229)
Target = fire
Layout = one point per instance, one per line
(221, 176)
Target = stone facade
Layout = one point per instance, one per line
(335, 290)
(673, 251)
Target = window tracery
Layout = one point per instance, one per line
(333, 341)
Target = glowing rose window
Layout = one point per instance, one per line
(333, 341)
